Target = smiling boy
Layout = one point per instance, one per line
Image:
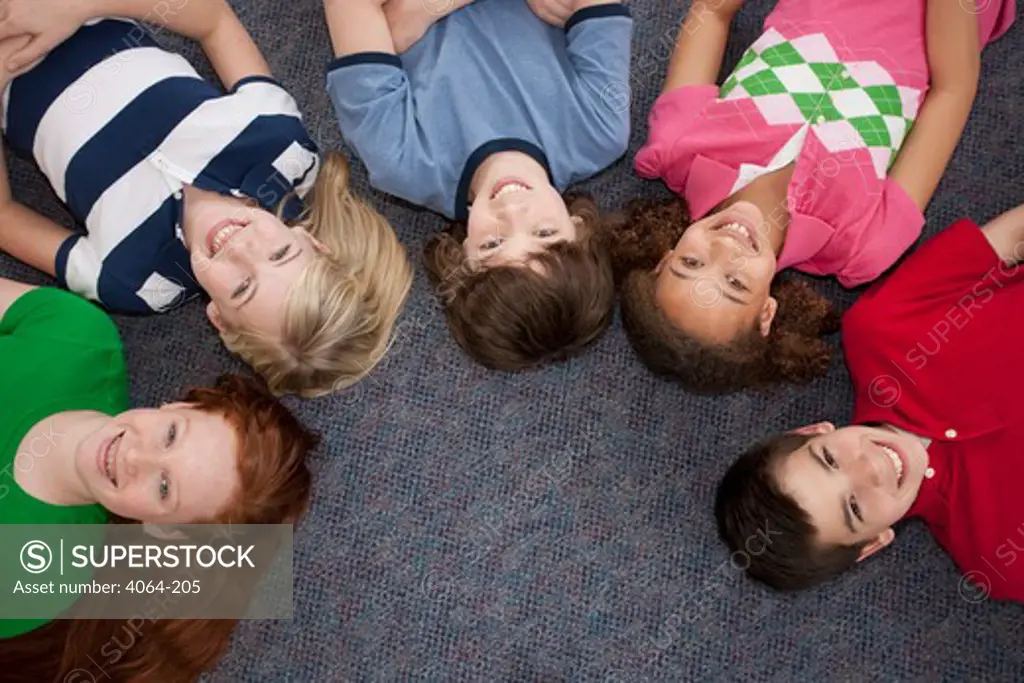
(938, 424)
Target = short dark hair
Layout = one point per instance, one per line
(749, 499)
(514, 318)
(793, 351)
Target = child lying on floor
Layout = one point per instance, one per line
(486, 119)
(181, 188)
(934, 353)
(819, 152)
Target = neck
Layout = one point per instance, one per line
(190, 197)
(770, 194)
(506, 164)
(46, 467)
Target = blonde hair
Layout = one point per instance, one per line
(340, 313)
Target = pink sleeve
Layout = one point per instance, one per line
(896, 226)
(672, 113)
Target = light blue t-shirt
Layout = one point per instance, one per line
(490, 77)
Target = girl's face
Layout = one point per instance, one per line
(170, 465)
(715, 283)
(246, 259)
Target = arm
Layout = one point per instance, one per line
(1006, 235)
(358, 26)
(409, 20)
(557, 12)
(954, 61)
(697, 57)
(598, 45)
(25, 234)
(212, 23)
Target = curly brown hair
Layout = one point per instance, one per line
(513, 318)
(793, 351)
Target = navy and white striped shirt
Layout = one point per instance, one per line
(119, 126)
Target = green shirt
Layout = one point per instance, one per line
(57, 353)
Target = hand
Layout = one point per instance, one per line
(409, 20)
(47, 23)
(554, 12)
(8, 47)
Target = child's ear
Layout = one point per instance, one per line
(662, 262)
(213, 313)
(768, 311)
(816, 428)
(577, 221)
(883, 539)
(317, 244)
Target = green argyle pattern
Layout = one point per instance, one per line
(802, 81)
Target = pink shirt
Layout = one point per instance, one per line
(818, 91)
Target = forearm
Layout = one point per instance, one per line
(928, 148)
(954, 64)
(358, 26)
(1006, 235)
(698, 53)
(25, 234)
(191, 18)
(5, 181)
(211, 23)
(583, 4)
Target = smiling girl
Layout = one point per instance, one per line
(181, 189)
(73, 452)
(819, 152)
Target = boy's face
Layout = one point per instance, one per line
(515, 219)
(854, 482)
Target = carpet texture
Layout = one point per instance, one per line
(556, 525)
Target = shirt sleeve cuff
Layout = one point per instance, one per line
(256, 78)
(385, 58)
(60, 266)
(596, 12)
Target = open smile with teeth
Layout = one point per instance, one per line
(110, 458)
(508, 188)
(221, 237)
(743, 232)
(895, 461)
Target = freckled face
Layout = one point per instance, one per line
(170, 465)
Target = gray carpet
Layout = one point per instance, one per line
(556, 525)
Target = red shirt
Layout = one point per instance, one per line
(936, 349)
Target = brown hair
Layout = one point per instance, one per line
(513, 318)
(275, 489)
(753, 512)
(793, 350)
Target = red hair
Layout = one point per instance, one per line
(275, 489)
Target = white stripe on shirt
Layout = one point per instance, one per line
(125, 205)
(92, 101)
(218, 123)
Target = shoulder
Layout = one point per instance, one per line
(54, 314)
(615, 11)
